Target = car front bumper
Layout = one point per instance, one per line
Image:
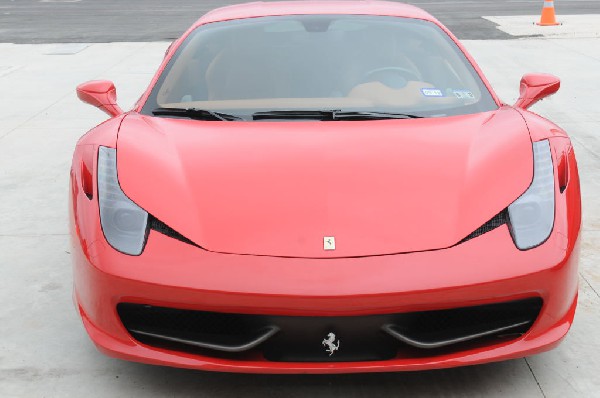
(170, 273)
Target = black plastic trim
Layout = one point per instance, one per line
(160, 227)
(205, 342)
(497, 221)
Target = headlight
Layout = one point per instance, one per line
(532, 215)
(123, 222)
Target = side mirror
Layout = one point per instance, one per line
(100, 93)
(535, 87)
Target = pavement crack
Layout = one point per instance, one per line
(535, 378)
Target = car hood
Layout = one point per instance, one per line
(279, 188)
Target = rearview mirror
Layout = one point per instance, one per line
(101, 94)
(535, 87)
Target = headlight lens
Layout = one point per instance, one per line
(123, 222)
(532, 215)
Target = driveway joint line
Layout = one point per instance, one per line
(35, 115)
(535, 378)
(589, 284)
(132, 53)
(552, 39)
(584, 146)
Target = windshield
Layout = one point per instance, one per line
(320, 62)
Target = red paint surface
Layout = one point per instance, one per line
(101, 94)
(535, 87)
(278, 188)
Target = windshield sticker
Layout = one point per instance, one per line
(432, 92)
(463, 94)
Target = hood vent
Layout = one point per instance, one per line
(159, 226)
(496, 221)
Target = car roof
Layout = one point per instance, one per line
(366, 7)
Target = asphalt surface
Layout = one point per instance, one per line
(98, 21)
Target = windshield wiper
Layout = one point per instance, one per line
(294, 114)
(330, 115)
(194, 113)
(373, 115)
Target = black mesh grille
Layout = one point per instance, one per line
(299, 338)
(429, 322)
(146, 317)
(164, 229)
(496, 221)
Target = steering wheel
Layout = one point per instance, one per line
(406, 73)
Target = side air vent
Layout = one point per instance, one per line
(164, 229)
(496, 221)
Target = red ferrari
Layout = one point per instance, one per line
(323, 187)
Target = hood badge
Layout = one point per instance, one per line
(329, 243)
(329, 342)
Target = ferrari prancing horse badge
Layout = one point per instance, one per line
(330, 344)
(329, 243)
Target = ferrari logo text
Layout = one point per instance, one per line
(329, 342)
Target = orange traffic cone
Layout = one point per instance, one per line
(548, 15)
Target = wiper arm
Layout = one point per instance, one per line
(329, 115)
(369, 115)
(294, 114)
(194, 113)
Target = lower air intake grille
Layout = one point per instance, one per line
(305, 339)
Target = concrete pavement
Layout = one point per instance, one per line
(44, 351)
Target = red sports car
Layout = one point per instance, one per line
(323, 187)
